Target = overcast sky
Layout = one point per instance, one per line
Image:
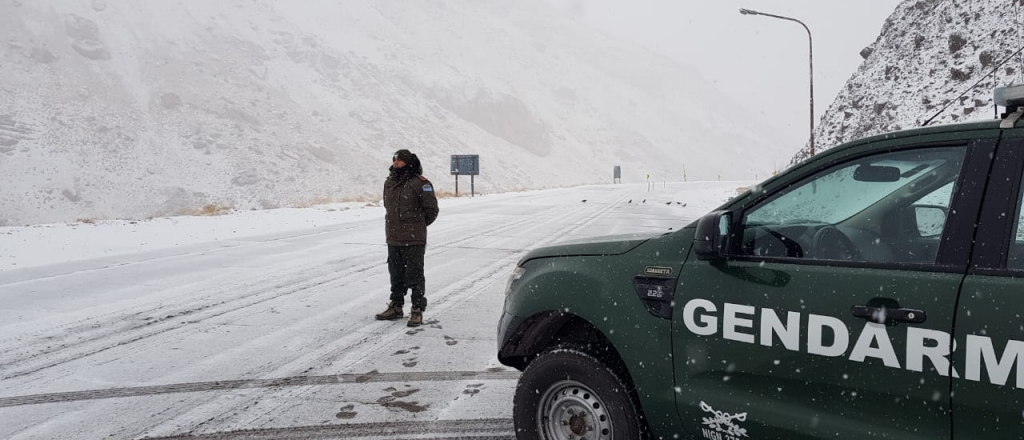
(757, 59)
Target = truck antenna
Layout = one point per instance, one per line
(1000, 64)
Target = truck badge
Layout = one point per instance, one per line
(722, 422)
(657, 270)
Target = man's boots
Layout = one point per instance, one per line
(393, 312)
(416, 317)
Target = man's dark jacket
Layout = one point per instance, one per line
(410, 204)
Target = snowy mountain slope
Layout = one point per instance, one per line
(927, 54)
(135, 109)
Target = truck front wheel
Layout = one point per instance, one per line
(566, 394)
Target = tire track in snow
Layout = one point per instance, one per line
(98, 264)
(353, 348)
(111, 336)
(481, 429)
(174, 320)
(105, 337)
(455, 293)
(443, 300)
(102, 328)
(294, 381)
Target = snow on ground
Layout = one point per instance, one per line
(262, 320)
(45, 244)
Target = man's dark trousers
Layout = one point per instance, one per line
(405, 263)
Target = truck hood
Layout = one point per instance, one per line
(595, 246)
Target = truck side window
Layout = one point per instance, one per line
(1016, 257)
(885, 208)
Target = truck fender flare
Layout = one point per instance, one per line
(531, 336)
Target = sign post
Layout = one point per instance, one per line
(466, 164)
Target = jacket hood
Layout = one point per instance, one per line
(412, 168)
(415, 166)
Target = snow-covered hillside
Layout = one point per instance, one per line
(928, 53)
(135, 109)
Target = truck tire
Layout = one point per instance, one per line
(568, 394)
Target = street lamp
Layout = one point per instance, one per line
(810, 57)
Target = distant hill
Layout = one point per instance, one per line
(158, 107)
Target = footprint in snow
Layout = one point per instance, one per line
(347, 412)
(405, 351)
(473, 389)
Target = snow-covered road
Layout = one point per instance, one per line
(259, 324)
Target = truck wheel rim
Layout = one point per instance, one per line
(570, 410)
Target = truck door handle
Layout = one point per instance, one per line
(889, 316)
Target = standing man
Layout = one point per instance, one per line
(410, 207)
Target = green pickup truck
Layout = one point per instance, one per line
(872, 291)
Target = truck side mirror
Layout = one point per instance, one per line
(929, 219)
(711, 241)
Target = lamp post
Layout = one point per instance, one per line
(810, 57)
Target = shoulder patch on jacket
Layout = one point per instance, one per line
(428, 188)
